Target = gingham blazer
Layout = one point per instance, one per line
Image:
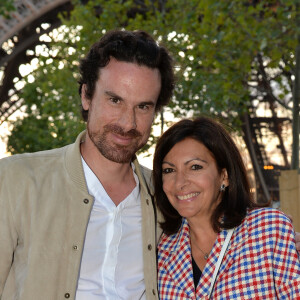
(261, 262)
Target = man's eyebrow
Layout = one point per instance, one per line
(112, 94)
(150, 103)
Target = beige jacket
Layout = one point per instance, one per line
(44, 212)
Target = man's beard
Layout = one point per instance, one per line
(114, 152)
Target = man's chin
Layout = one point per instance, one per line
(115, 152)
(118, 156)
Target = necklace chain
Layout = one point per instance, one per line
(205, 254)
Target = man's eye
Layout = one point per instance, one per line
(196, 167)
(115, 100)
(167, 170)
(144, 107)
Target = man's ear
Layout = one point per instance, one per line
(224, 176)
(85, 102)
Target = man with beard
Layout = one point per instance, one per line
(79, 222)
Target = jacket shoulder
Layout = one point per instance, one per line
(267, 222)
(266, 215)
(19, 162)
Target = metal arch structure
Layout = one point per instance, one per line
(23, 30)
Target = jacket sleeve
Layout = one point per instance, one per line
(8, 234)
(286, 263)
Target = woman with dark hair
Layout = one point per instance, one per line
(217, 244)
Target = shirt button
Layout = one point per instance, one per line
(153, 291)
(75, 247)
(86, 201)
(149, 247)
(67, 295)
(147, 201)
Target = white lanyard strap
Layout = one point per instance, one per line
(224, 248)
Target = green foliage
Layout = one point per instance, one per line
(221, 49)
(52, 116)
(6, 7)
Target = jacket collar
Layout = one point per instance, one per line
(178, 263)
(140, 171)
(73, 163)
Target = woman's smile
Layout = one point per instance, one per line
(188, 197)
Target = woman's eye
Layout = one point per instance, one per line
(196, 167)
(167, 170)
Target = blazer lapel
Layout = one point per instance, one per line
(179, 263)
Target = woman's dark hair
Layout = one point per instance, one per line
(236, 199)
(128, 46)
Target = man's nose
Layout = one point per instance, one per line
(127, 120)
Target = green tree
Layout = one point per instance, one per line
(6, 7)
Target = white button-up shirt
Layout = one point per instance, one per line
(112, 261)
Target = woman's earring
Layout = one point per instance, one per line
(223, 187)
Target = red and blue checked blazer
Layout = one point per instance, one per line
(261, 262)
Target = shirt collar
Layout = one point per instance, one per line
(96, 189)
